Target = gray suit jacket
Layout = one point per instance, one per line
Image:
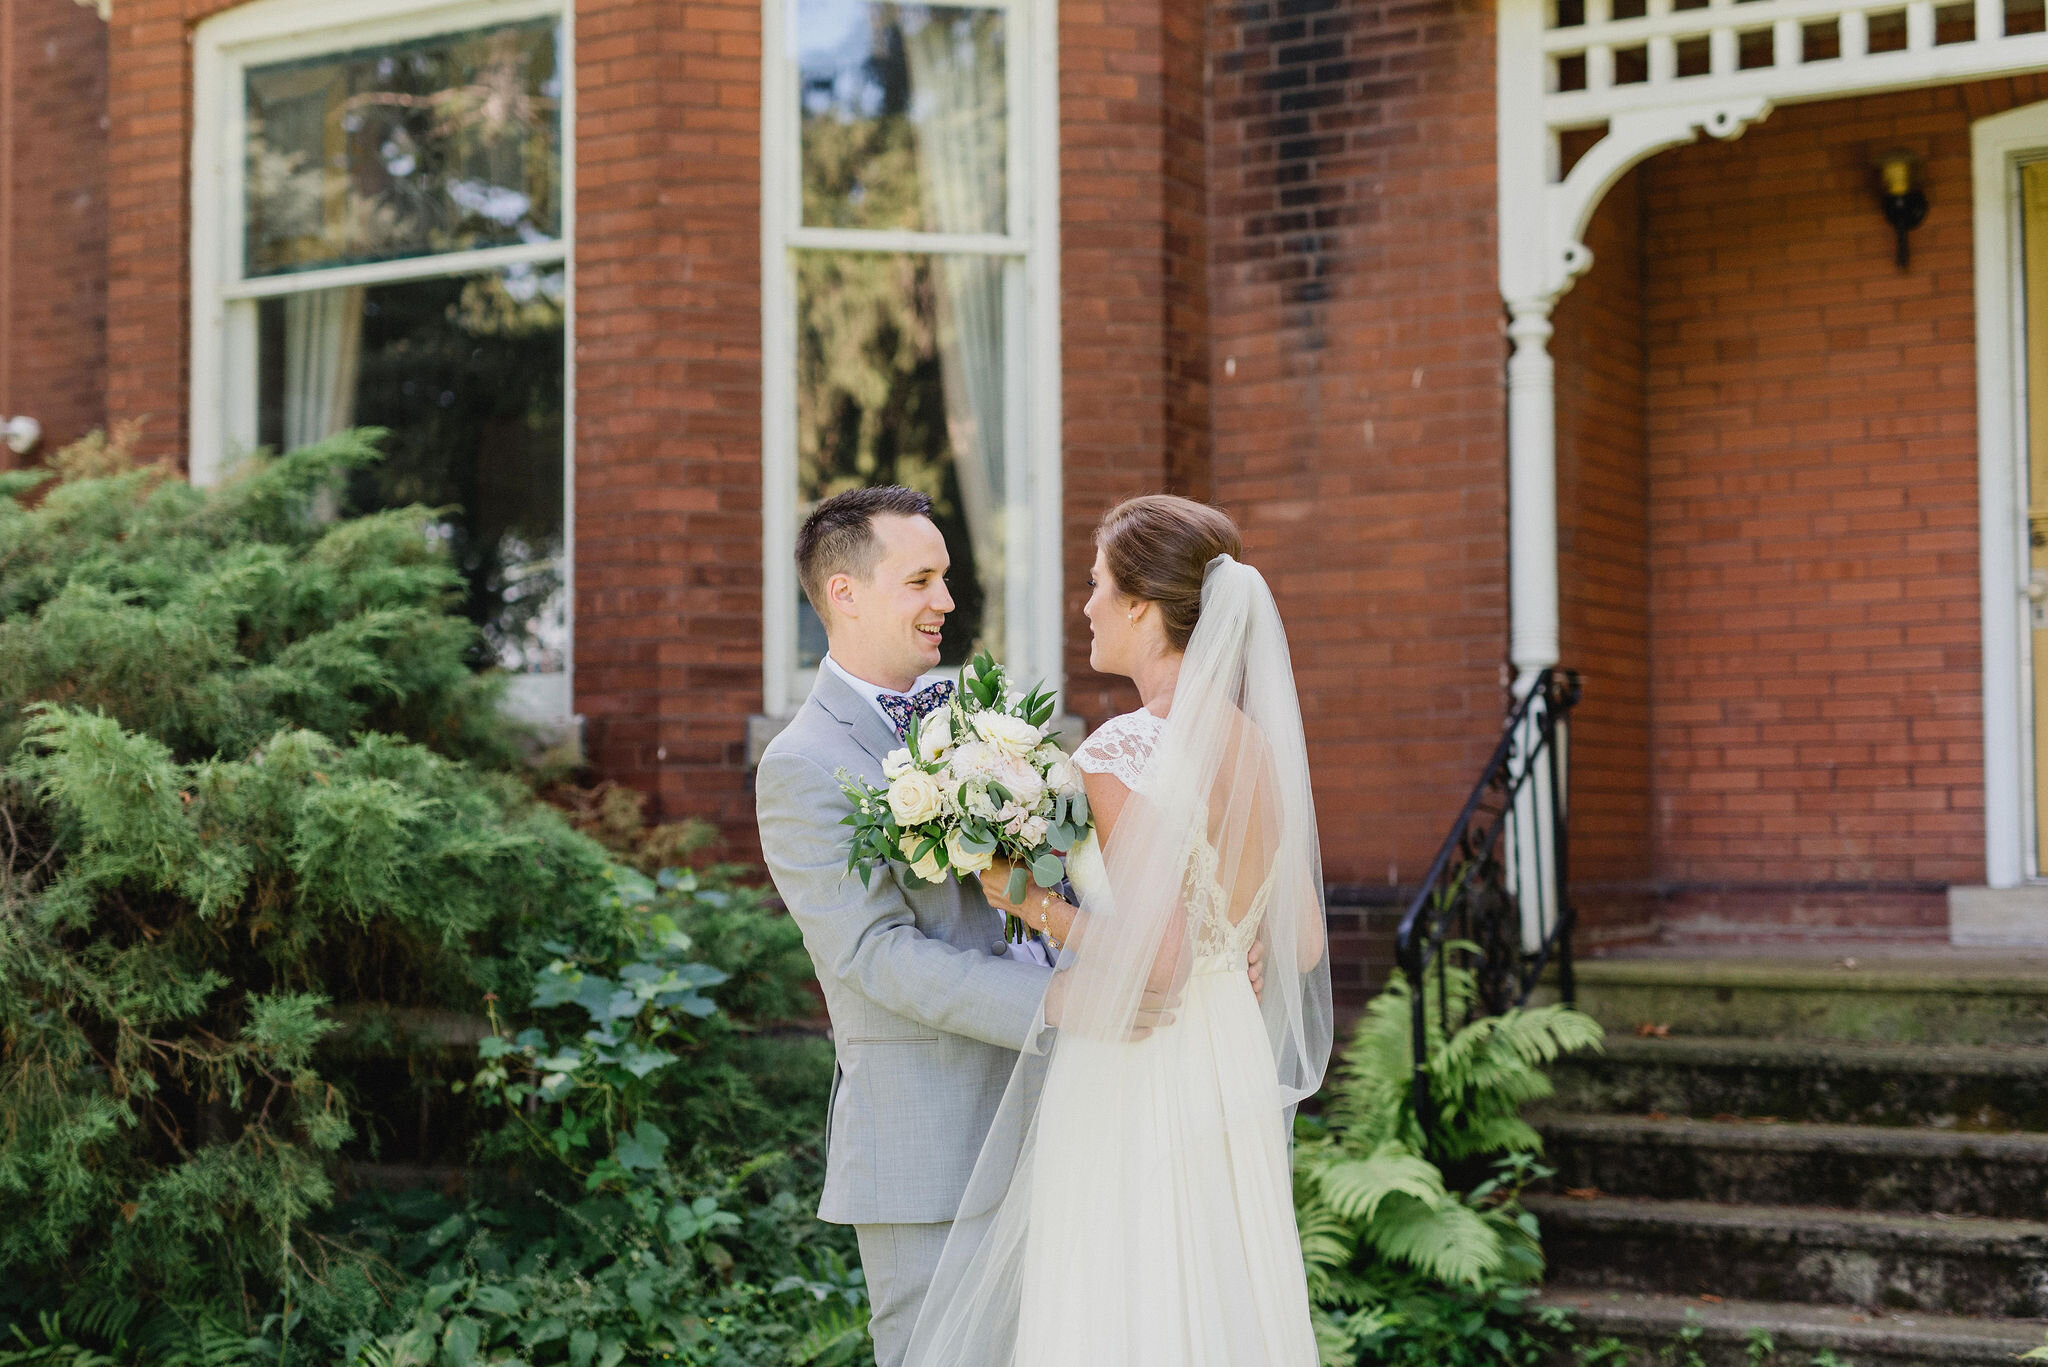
(928, 1013)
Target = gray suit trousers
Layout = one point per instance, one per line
(898, 1261)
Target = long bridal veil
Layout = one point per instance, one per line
(1218, 842)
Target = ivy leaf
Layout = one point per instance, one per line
(641, 1061)
(643, 1149)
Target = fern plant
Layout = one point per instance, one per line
(1379, 1223)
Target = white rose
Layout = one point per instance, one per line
(895, 763)
(1063, 776)
(1011, 735)
(935, 735)
(914, 796)
(966, 861)
(928, 867)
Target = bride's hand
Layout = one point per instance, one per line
(1255, 968)
(995, 886)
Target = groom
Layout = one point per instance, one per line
(929, 1008)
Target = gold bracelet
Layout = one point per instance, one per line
(1044, 921)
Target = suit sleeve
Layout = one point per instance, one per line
(867, 936)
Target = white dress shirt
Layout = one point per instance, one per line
(873, 691)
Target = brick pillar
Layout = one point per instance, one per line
(1134, 294)
(668, 398)
(1359, 394)
(53, 238)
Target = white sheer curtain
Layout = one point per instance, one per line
(958, 109)
(323, 347)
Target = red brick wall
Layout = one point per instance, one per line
(149, 137)
(668, 398)
(53, 295)
(1812, 440)
(1358, 393)
(1603, 547)
(1133, 388)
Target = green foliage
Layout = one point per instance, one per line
(266, 853)
(1403, 1269)
(595, 1282)
(1481, 1074)
(626, 1072)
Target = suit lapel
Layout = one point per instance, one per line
(855, 713)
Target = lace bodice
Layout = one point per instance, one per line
(1121, 748)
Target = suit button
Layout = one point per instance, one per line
(999, 948)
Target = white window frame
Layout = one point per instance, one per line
(1999, 146)
(223, 421)
(1033, 579)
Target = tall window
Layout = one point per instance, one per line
(381, 239)
(909, 292)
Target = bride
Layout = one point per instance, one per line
(1132, 1206)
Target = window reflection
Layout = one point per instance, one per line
(446, 144)
(901, 380)
(467, 373)
(904, 112)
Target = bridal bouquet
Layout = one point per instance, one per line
(980, 776)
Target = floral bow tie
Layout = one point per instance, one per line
(901, 707)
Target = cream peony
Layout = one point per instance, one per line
(966, 861)
(1012, 735)
(974, 760)
(914, 797)
(1022, 781)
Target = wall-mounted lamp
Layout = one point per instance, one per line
(20, 433)
(1901, 197)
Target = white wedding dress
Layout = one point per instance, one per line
(1167, 1236)
(1132, 1205)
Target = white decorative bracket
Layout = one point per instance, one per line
(105, 7)
(1631, 138)
(1655, 78)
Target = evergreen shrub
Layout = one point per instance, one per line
(268, 858)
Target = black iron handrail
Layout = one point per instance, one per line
(1498, 889)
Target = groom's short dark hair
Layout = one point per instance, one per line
(839, 535)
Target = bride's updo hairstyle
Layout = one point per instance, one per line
(1158, 548)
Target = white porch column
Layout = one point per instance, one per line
(1532, 491)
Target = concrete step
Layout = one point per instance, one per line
(1855, 1167)
(1963, 1266)
(1722, 1332)
(1929, 999)
(1945, 1086)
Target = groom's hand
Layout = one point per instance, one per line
(1155, 1007)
